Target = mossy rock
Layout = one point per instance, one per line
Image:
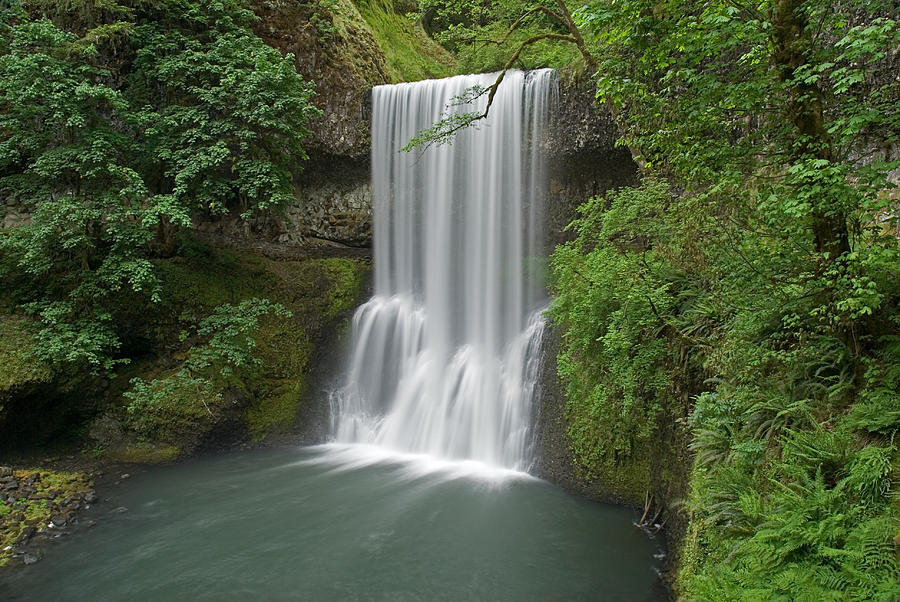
(324, 290)
(264, 398)
(40, 494)
(276, 409)
(20, 366)
(628, 481)
(410, 54)
(143, 453)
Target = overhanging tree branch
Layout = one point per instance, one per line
(538, 9)
(444, 130)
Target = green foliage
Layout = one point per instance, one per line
(234, 135)
(62, 158)
(17, 357)
(613, 302)
(203, 289)
(795, 467)
(408, 51)
(166, 406)
(442, 131)
(119, 123)
(479, 33)
(761, 281)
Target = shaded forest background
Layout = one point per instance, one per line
(741, 300)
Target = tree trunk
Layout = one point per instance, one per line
(807, 114)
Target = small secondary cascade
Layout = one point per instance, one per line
(445, 354)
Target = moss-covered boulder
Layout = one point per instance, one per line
(176, 410)
(20, 370)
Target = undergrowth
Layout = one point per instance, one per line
(793, 422)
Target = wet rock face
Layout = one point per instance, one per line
(579, 124)
(334, 48)
(333, 204)
(582, 155)
(333, 207)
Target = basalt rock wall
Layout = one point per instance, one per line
(583, 158)
(333, 204)
(336, 50)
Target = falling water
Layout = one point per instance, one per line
(445, 355)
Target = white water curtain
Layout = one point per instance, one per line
(445, 355)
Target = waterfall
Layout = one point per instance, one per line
(445, 354)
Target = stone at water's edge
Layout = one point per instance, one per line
(36, 505)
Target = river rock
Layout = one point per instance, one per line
(25, 535)
(5, 471)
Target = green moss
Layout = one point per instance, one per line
(327, 288)
(410, 54)
(50, 489)
(20, 367)
(316, 291)
(284, 347)
(195, 285)
(628, 481)
(192, 287)
(276, 409)
(346, 283)
(277, 387)
(144, 453)
(171, 409)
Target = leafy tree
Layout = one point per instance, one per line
(717, 93)
(233, 136)
(164, 405)
(759, 278)
(64, 158)
(116, 134)
(513, 29)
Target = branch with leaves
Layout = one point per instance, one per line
(444, 130)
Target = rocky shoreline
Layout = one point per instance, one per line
(38, 505)
(58, 496)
